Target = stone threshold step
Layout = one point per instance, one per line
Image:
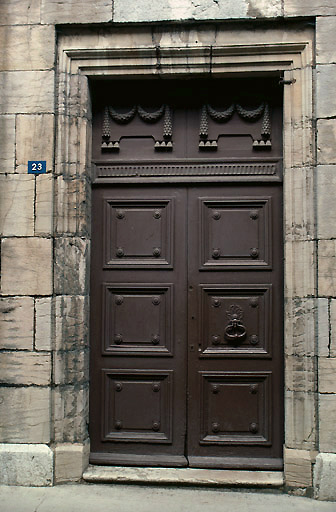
(184, 476)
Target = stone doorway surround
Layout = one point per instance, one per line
(182, 51)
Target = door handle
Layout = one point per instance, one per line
(235, 331)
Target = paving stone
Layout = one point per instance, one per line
(26, 266)
(25, 368)
(26, 464)
(25, 415)
(16, 41)
(17, 194)
(16, 322)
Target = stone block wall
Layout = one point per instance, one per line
(45, 236)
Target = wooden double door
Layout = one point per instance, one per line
(186, 325)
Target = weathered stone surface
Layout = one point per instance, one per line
(300, 317)
(26, 464)
(183, 475)
(37, 95)
(299, 268)
(325, 193)
(327, 267)
(327, 373)
(71, 322)
(70, 461)
(16, 322)
(72, 206)
(299, 193)
(7, 144)
(44, 205)
(71, 266)
(309, 7)
(143, 10)
(325, 80)
(327, 422)
(25, 368)
(17, 12)
(76, 11)
(298, 468)
(325, 477)
(37, 40)
(25, 415)
(326, 141)
(71, 409)
(332, 347)
(17, 205)
(300, 425)
(325, 39)
(43, 324)
(34, 140)
(26, 266)
(71, 367)
(323, 328)
(300, 373)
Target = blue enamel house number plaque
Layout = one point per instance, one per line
(37, 166)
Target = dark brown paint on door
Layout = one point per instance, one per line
(186, 276)
(186, 326)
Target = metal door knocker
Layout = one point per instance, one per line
(235, 331)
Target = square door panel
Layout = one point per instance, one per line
(137, 406)
(138, 319)
(138, 233)
(235, 233)
(236, 320)
(235, 408)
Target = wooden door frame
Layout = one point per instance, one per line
(186, 51)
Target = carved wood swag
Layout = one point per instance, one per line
(165, 114)
(149, 117)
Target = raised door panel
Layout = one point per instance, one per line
(235, 233)
(137, 233)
